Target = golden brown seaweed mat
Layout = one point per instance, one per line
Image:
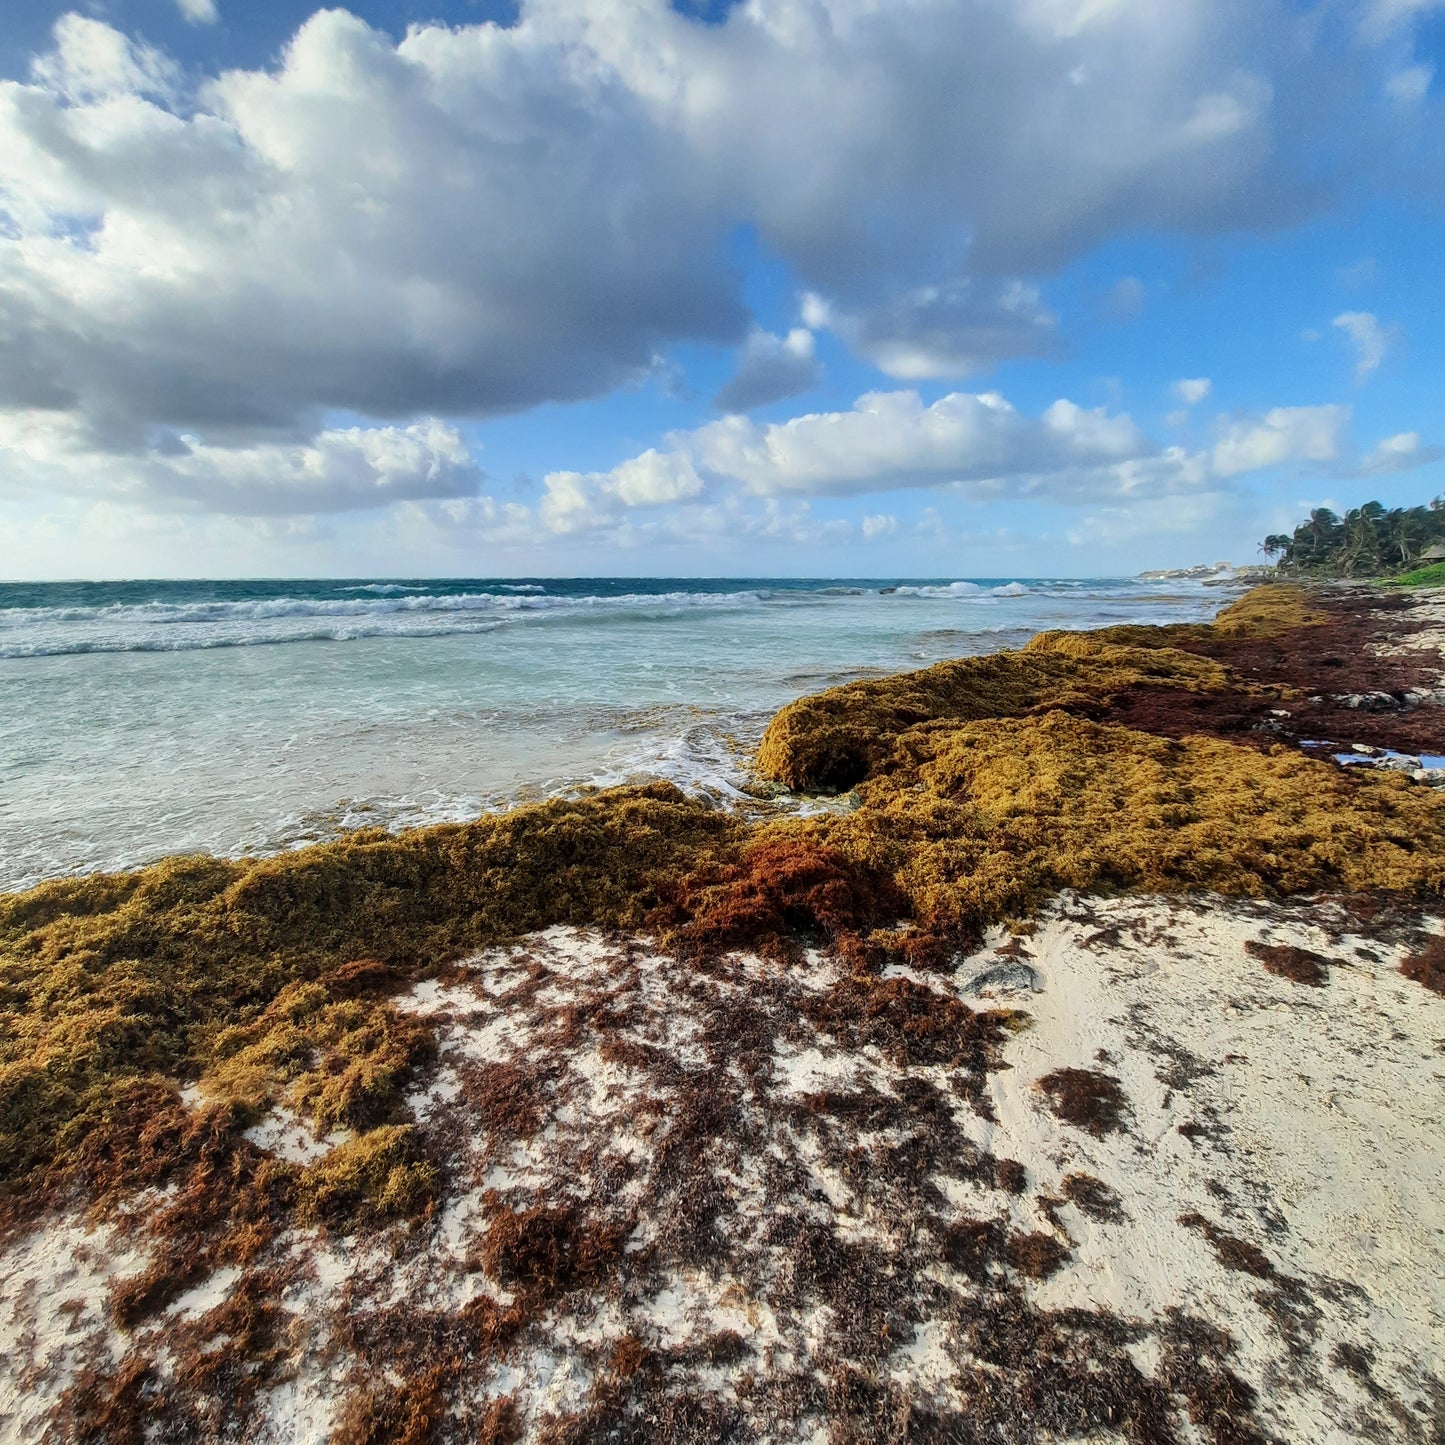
(983, 787)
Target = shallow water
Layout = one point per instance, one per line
(144, 718)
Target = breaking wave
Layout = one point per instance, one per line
(157, 626)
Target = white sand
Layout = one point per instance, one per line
(1320, 1146)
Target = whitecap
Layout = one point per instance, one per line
(951, 589)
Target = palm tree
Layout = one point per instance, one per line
(1368, 541)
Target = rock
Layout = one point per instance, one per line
(1402, 764)
(1368, 701)
(1009, 977)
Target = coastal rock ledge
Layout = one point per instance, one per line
(1080, 1081)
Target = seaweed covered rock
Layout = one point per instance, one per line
(980, 821)
(832, 740)
(835, 739)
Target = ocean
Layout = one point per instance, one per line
(139, 719)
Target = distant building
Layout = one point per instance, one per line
(1434, 553)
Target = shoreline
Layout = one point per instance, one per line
(245, 750)
(914, 1118)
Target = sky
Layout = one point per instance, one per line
(863, 288)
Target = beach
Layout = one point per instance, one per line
(1042, 1045)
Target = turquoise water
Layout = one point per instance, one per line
(144, 718)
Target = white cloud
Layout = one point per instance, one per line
(92, 62)
(199, 12)
(435, 226)
(1398, 453)
(575, 501)
(1370, 340)
(340, 469)
(976, 446)
(475, 220)
(1283, 434)
(770, 369)
(891, 440)
(1192, 390)
(1410, 85)
(941, 331)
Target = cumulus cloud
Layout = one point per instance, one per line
(1398, 453)
(340, 469)
(92, 62)
(1192, 390)
(770, 369)
(941, 331)
(891, 440)
(475, 220)
(391, 229)
(1283, 434)
(574, 500)
(1369, 339)
(976, 446)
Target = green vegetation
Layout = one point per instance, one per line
(1431, 576)
(1368, 541)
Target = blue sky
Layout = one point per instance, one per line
(800, 287)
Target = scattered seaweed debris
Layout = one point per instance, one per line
(1086, 1098)
(1037, 1255)
(1299, 965)
(1233, 1253)
(784, 891)
(1010, 1176)
(269, 983)
(831, 741)
(1297, 667)
(1093, 1197)
(1427, 966)
(983, 821)
(1348, 675)
(545, 1250)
